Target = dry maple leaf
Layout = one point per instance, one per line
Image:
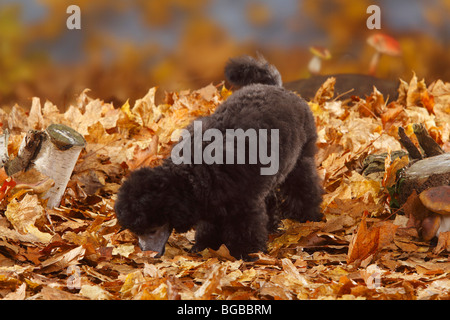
(144, 157)
(415, 91)
(326, 91)
(428, 102)
(368, 241)
(375, 104)
(443, 243)
(23, 215)
(211, 284)
(293, 272)
(390, 175)
(391, 114)
(63, 260)
(222, 253)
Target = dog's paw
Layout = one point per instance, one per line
(197, 248)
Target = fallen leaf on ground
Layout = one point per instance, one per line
(368, 241)
(24, 214)
(443, 243)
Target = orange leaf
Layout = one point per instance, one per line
(7, 185)
(368, 241)
(390, 174)
(391, 114)
(427, 101)
(144, 157)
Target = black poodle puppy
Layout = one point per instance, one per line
(231, 192)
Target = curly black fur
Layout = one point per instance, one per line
(233, 204)
(243, 71)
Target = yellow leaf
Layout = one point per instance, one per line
(145, 110)
(124, 249)
(225, 93)
(133, 284)
(127, 110)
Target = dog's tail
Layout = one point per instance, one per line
(245, 70)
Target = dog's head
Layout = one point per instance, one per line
(142, 206)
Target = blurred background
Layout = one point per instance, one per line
(125, 47)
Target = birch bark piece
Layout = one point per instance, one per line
(53, 152)
(28, 150)
(4, 138)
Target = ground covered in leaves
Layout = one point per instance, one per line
(365, 249)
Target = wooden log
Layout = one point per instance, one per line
(53, 152)
(424, 174)
(57, 158)
(347, 85)
(375, 162)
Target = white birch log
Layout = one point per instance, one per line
(53, 152)
(57, 158)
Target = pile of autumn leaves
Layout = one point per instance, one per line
(364, 250)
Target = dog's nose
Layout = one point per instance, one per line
(155, 240)
(160, 254)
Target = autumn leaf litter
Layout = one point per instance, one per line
(365, 249)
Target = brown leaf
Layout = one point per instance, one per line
(6, 187)
(326, 91)
(145, 111)
(19, 294)
(293, 272)
(415, 210)
(324, 241)
(222, 253)
(62, 261)
(368, 241)
(391, 115)
(94, 292)
(49, 293)
(415, 91)
(390, 175)
(34, 180)
(144, 157)
(443, 243)
(376, 102)
(211, 283)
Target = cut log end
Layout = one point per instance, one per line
(64, 137)
(424, 174)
